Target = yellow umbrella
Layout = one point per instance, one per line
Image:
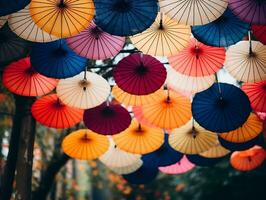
(139, 139)
(170, 110)
(192, 138)
(3, 20)
(216, 151)
(62, 18)
(164, 38)
(245, 61)
(85, 145)
(248, 131)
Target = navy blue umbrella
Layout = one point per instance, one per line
(221, 108)
(125, 17)
(8, 7)
(56, 60)
(223, 32)
(202, 161)
(164, 156)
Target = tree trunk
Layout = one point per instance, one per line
(20, 119)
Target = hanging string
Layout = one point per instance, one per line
(139, 128)
(193, 128)
(161, 21)
(219, 86)
(168, 95)
(250, 43)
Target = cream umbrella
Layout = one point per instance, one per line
(3, 20)
(217, 151)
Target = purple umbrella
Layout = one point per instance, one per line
(251, 11)
(107, 119)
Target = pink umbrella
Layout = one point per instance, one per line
(181, 167)
(93, 43)
(139, 74)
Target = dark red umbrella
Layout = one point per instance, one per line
(139, 74)
(107, 119)
(259, 32)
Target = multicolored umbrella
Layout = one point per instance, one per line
(85, 90)
(51, 112)
(164, 38)
(245, 61)
(170, 110)
(3, 20)
(139, 139)
(107, 119)
(250, 11)
(198, 59)
(192, 139)
(257, 95)
(8, 7)
(85, 145)
(193, 12)
(180, 167)
(221, 108)
(93, 43)
(56, 60)
(248, 131)
(223, 32)
(123, 17)
(139, 74)
(62, 18)
(259, 31)
(22, 24)
(20, 78)
(236, 146)
(249, 159)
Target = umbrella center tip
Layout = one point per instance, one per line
(108, 112)
(84, 84)
(221, 103)
(141, 70)
(122, 5)
(60, 52)
(61, 5)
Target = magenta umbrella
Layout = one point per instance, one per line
(107, 119)
(95, 44)
(251, 11)
(139, 74)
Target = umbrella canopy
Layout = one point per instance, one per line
(250, 11)
(163, 156)
(93, 43)
(8, 7)
(107, 119)
(223, 32)
(221, 108)
(164, 38)
(259, 31)
(139, 139)
(22, 24)
(62, 18)
(198, 59)
(192, 139)
(181, 167)
(133, 100)
(85, 90)
(193, 12)
(192, 84)
(139, 74)
(51, 112)
(20, 78)
(249, 159)
(85, 145)
(217, 151)
(236, 146)
(248, 131)
(245, 61)
(56, 60)
(257, 95)
(123, 17)
(138, 114)
(3, 20)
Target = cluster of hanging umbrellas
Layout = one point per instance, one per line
(157, 117)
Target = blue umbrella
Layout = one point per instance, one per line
(221, 108)
(202, 161)
(56, 60)
(8, 7)
(125, 17)
(223, 32)
(164, 156)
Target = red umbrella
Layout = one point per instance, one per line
(260, 33)
(198, 59)
(139, 74)
(257, 95)
(20, 78)
(51, 112)
(107, 119)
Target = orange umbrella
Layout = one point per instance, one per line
(85, 145)
(62, 18)
(139, 139)
(248, 131)
(51, 112)
(249, 159)
(169, 110)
